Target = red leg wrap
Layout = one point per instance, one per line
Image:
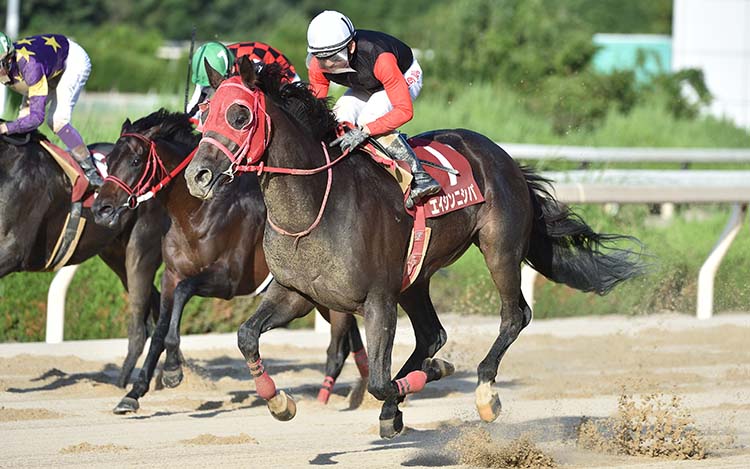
(360, 358)
(264, 385)
(325, 390)
(413, 382)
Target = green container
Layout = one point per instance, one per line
(646, 54)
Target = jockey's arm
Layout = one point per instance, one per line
(386, 70)
(199, 95)
(318, 82)
(38, 90)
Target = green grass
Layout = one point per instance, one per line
(96, 300)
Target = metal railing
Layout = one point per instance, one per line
(591, 186)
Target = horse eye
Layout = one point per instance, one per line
(135, 162)
(238, 116)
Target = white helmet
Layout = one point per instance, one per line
(328, 33)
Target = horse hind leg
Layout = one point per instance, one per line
(504, 263)
(337, 351)
(172, 374)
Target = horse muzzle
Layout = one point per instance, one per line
(106, 215)
(200, 182)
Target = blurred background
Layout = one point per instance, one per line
(598, 73)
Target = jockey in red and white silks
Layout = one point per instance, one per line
(383, 78)
(50, 71)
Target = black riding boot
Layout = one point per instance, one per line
(423, 184)
(83, 157)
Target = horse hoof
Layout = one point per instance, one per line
(282, 407)
(126, 406)
(488, 403)
(389, 428)
(171, 378)
(442, 367)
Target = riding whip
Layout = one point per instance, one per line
(190, 65)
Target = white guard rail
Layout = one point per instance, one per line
(589, 186)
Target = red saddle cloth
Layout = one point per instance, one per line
(74, 172)
(458, 190)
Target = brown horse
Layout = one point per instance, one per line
(350, 235)
(212, 249)
(34, 201)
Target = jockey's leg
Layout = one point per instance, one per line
(72, 139)
(64, 99)
(423, 185)
(349, 106)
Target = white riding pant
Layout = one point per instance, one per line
(361, 108)
(64, 97)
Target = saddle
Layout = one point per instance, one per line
(80, 197)
(459, 190)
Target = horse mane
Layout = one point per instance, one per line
(174, 126)
(299, 102)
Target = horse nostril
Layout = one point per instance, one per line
(204, 177)
(105, 211)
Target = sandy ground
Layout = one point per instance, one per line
(56, 401)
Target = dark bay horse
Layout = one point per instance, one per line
(212, 248)
(34, 201)
(339, 236)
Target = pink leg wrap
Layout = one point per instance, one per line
(413, 382)
(264, 385)
(325, 390)
(360, 358)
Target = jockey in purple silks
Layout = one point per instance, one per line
(48, 69)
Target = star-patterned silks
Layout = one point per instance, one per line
(24, 53)
(52, 42)
(26, 41)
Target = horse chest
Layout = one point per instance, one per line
(314, 269)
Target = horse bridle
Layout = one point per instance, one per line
(145, 188)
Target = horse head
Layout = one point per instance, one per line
(135, 165)
(235, 130)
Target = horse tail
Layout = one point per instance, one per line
(566, 250)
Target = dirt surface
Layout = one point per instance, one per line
(560, 380)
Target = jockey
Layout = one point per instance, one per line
(383, 78)
(48, 69)
(223, 59)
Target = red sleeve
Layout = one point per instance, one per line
(387, 71)
(318, 82)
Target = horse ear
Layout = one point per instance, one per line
(247, 71)
(152, 131)
(214, 78)
(126, 126)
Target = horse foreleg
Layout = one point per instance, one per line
(380, 327)
(172, 375)
(429, 336)
(279, 306)
(129, 403)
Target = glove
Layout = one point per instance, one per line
(351, 140)
(3, 129)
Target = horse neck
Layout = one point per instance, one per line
(175, 196)
(293, 201)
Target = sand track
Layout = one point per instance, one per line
(55, 408)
